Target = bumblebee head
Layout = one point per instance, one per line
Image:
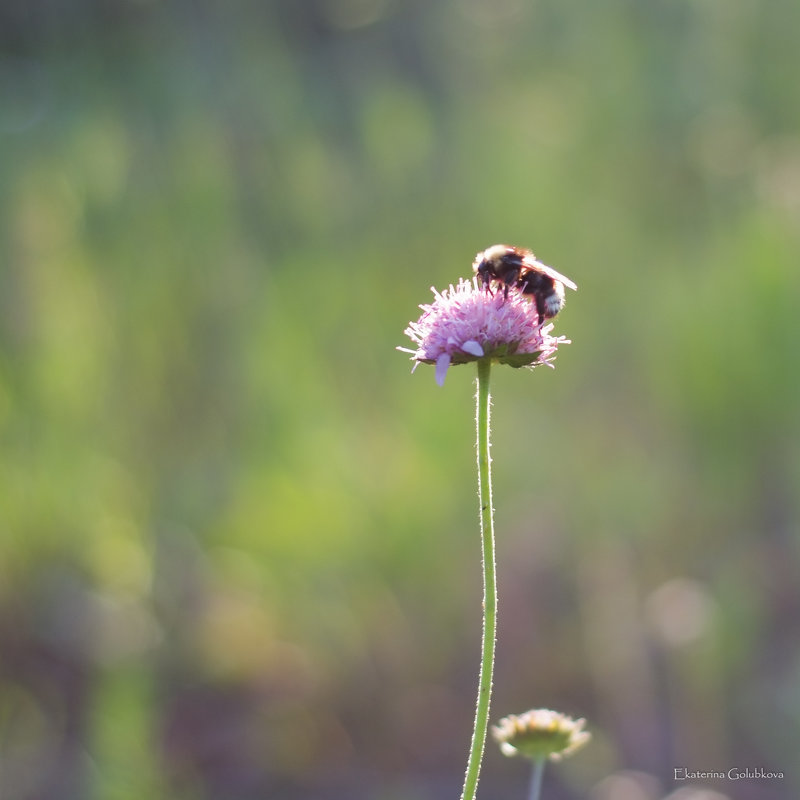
(499, 262)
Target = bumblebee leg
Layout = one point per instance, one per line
(540, 310)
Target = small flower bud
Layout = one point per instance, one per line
(540, 733)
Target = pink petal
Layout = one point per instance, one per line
(473, 348)
(442, 365)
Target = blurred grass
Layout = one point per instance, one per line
(241, 555)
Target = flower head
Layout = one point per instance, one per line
(540, 733)
(466, 323)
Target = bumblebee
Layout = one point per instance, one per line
(516, 268)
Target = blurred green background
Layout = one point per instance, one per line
(240, 555)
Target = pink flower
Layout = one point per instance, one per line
(466, 323)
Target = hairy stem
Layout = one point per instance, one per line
(489, 584)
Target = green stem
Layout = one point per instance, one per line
(536, 778)
(489, 584)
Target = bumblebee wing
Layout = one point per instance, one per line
(534, 263)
